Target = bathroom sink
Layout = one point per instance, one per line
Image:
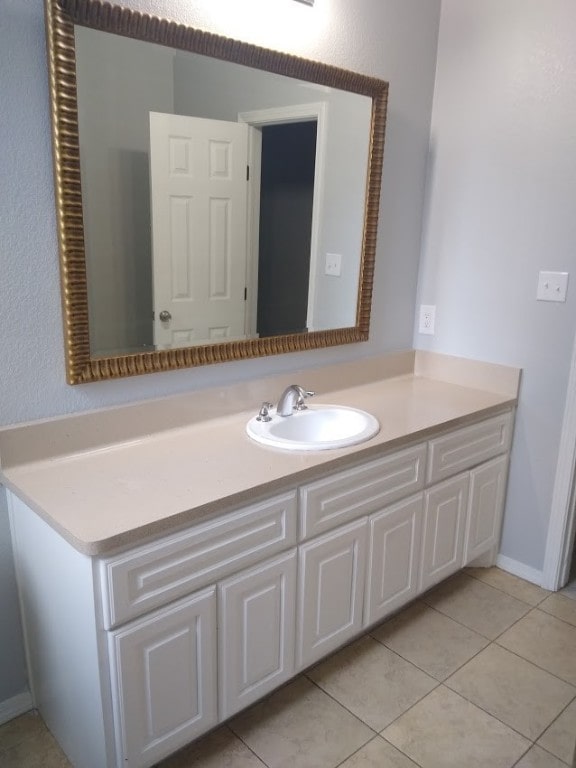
(317, 428)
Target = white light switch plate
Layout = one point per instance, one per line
(552, 286)
(333, 264)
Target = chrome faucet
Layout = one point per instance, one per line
(292, 399)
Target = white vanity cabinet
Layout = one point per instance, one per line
(166, 689)
(133, 655)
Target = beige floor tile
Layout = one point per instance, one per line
(512, 585)
(446, 731)
(560, 738)
(570, 589)
(39, 751)
(301, 727)
(430, 640)
(539, 758)
(219, 749)
(372, 682)
(378, 754)
(478, 606)
(546, 641)
(20, 728)
(515, 691)
(560, 606)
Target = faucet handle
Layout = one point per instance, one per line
(303, 393)
(264, 413)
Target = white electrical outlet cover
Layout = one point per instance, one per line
(427, 319)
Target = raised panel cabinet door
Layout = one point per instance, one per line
(393, 557)
(256, 618)
(445, 507)
(485, 507)
(164, 679)
(331, 575)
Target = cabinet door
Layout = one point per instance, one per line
(164, 679)
(256, 617)
(330, 591)
(445, 509)
(393, 558)
(487, 489)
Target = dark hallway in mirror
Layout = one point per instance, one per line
(286, 200)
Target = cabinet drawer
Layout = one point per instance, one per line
(467, 447)
(162, 571)
(338, 499)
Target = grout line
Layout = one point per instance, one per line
(547, 613)
(522, 756)
(490, 642)
(493, 716)
(355, 752)
(559, 715)
(454, 670)
(534, 664)
(340, 704)
(486, 637)
(500, 589)
(236, 736)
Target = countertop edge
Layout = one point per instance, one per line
(337, 461)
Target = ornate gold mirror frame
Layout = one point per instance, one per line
(61, 16)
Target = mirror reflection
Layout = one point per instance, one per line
(220, 202)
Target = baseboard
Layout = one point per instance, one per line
(520, 569)
(15, 706)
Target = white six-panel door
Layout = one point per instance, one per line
(165, 670)
(256, 618)
(199, 219)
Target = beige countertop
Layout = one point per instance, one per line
(118, 493)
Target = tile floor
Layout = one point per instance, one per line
(480, 672)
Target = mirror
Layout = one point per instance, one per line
(215, 200)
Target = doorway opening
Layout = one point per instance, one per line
(292, 167)
(286, 205)
(559, 564)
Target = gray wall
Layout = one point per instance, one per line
(392, 39)
(501, 193)
(118, 84)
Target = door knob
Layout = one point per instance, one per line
(165, 316)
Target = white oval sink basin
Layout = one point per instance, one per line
(317, 428)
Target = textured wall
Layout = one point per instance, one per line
(501, 193)
(392, 39)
